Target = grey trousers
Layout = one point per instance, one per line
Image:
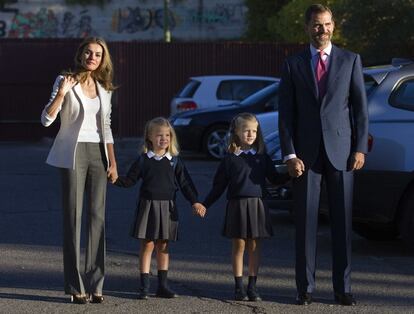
(89, 176)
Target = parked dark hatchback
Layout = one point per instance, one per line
(206, 130)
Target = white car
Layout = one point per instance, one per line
(384, 187)
(203, 92)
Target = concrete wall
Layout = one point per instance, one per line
(124, 20)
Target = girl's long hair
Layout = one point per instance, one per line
(234, 140)
(173, 148)
(103, 74)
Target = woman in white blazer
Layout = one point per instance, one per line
(83, 150)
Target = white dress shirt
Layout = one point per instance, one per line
(325, 57)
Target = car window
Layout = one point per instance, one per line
(403, 95)
(240, 89)
(189, 89)
(225, 91)
(270, 102)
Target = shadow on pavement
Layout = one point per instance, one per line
(28, 297)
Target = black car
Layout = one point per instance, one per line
(278, 196)
(206, 130)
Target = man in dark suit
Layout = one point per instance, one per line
(323, 126)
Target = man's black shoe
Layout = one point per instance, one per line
(304, 299)
(345, 299)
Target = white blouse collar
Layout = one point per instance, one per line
(151, 154)
(248, 151)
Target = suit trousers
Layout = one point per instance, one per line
(306, 194)
(88, 177)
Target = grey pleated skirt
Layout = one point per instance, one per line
(247, 218)
(155, 220)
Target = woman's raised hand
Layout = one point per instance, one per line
(66, 84)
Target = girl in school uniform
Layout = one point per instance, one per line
(156, 222)
(243, 172)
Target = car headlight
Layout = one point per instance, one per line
(182, 121)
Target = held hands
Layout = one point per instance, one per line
(295, 167)
(66, 84)
(199, 210)
(112, 173)
(356, 161)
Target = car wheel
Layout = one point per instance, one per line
(215, 141)
(406, 217)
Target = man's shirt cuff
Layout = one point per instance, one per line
(287, 157)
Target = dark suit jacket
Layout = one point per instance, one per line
(340, 119)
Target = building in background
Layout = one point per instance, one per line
(124, 20)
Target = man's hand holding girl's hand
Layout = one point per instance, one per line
(295, 167)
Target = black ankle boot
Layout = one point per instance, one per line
(239, 293)
(163, 291)
(145, 284)
(252, 290)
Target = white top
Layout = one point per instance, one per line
(90, 130)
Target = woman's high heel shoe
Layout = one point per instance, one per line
(95, 298)
(78, 299)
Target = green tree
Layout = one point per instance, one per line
(288, 24)
(378, 29)
(259, 11)
(3, 2)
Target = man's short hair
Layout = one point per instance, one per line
(316, 9)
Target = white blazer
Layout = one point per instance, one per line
(63, 151)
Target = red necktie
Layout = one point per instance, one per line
(321, 75)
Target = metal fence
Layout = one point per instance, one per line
(148, 74)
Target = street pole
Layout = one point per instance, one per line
(167, 32)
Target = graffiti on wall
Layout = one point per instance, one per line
(75, 27)
(218, 19)
(139, 19)
(221, 14)
(132, 20)
(45, 24)
(42, 24)
(6, 11)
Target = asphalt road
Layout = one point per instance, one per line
(31, 276)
